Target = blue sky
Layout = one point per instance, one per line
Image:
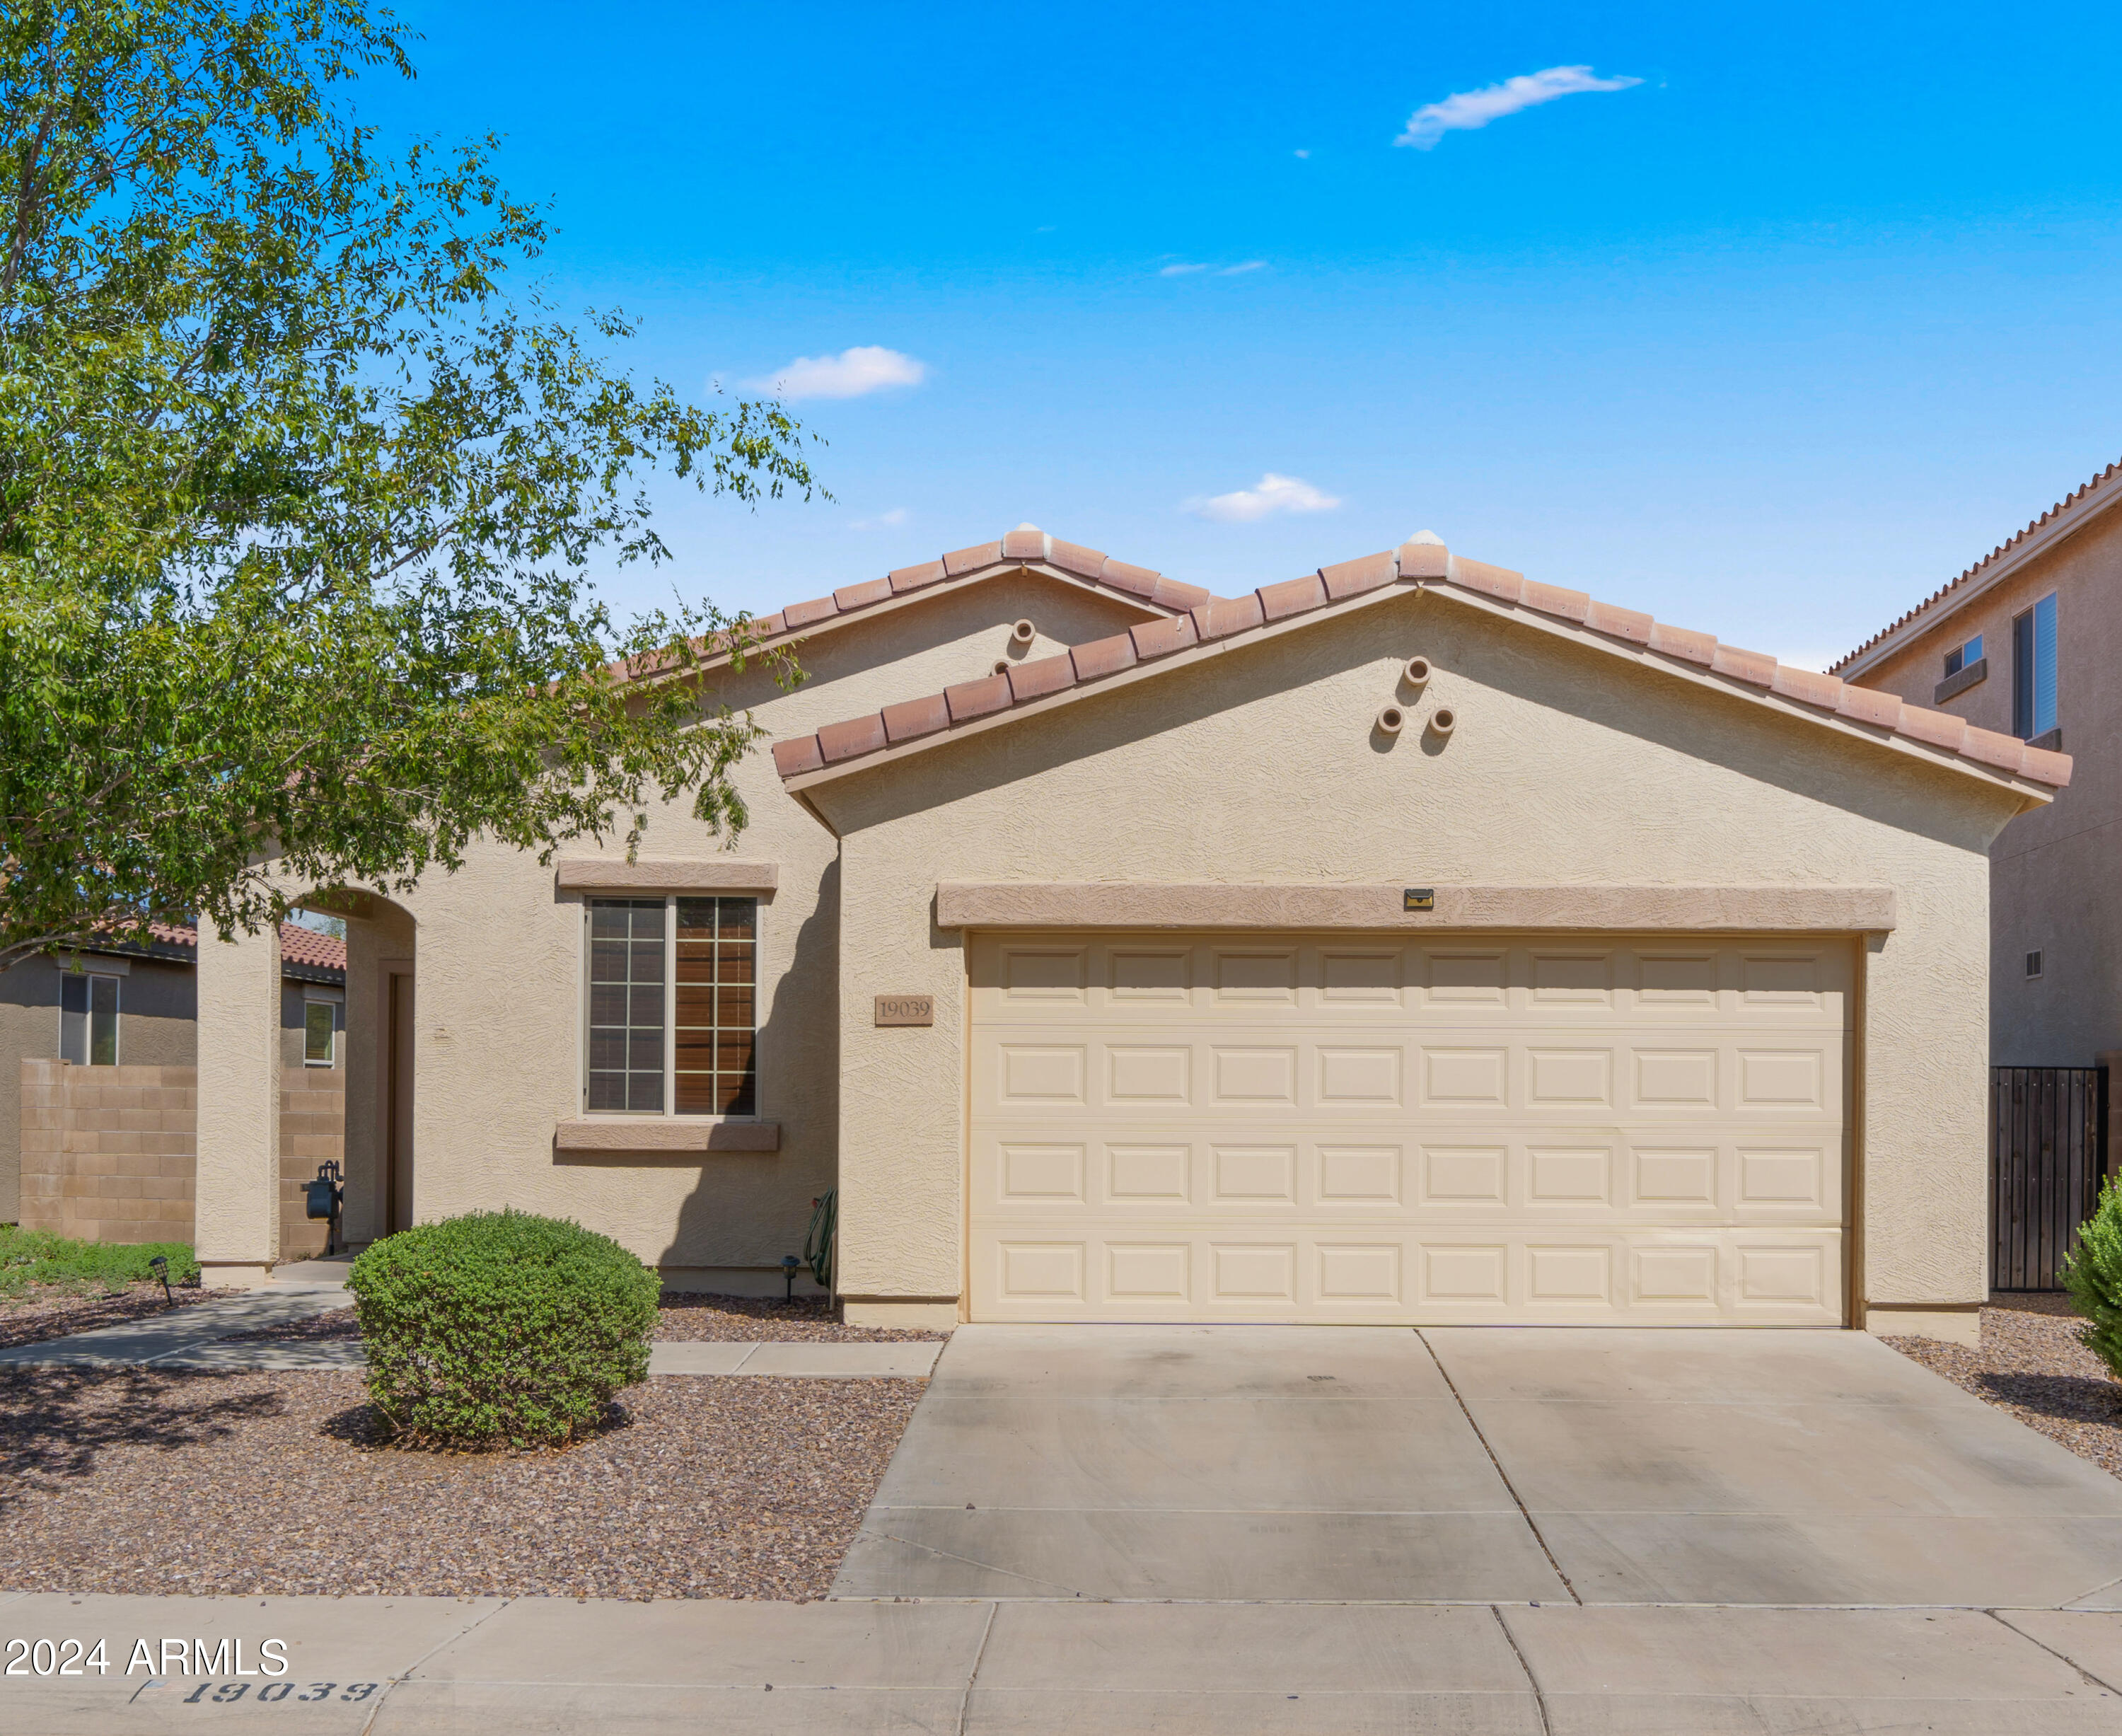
(1771, 341)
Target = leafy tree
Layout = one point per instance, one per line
(297, 501)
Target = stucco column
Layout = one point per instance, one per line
(237, 1193)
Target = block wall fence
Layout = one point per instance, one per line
(109, 1154)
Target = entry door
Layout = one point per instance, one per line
(1275, 1126)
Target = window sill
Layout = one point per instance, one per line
(664, 1133)
(1953, 686)
(2051, 740)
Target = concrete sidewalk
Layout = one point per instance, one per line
(373, 1666)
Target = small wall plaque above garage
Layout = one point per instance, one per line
(906, 1009)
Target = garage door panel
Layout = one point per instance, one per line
(1476, 1276)
(1356, 1128)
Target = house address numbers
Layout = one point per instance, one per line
(906, 1009)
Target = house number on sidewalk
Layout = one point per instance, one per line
(906, 1009)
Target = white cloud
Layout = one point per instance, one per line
(883, 520)
(1272, 495)
(1187, 268)
(1178, 270)
(1465, 110)
(1240, 270)
(1304, 153)
(867, 368)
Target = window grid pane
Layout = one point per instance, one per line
(717, 1070)
(626, 1005)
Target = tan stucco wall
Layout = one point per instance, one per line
(2053, 881)
(499, 972)
(155, 1029)
(1260, 764)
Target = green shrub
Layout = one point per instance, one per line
(29, 1256)
(501, 1329)
(2093, 1276)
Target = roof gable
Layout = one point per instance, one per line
(1027, 547)
(2071, 514)
(914, 725)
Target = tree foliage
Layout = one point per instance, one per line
(2092, 1274)
(297, 496)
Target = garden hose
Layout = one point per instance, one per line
(818, 1245)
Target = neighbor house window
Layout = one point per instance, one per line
(673, 1012)
(2033, 964)
(1961, 656)
(2034, 671)
(88, 1019)
(318, 1038)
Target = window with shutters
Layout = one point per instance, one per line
(672, 1013)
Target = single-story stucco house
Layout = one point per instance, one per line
(1408, 942)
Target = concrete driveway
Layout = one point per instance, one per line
(1475, 1465)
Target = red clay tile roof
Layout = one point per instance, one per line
(1416, 562)
(2096, 496)
(300, 948)
(1025, 546)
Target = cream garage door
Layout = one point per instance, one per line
(1344, 1128)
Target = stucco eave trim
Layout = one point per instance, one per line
(1632, 908)
(698, 874)
(664, 1133)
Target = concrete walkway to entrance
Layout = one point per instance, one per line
(1475, 1465)
(196, 1337)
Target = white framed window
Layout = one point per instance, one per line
(88, 1019)
(670, 1006)
(2034, 671)
(1961, 656)
(2033, 964)
(319, 1031)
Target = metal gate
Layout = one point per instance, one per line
(2048, 1151)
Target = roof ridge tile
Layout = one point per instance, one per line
(1212, 619)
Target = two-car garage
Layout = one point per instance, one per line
(1351, 1127)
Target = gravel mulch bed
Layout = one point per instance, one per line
(53, 1310)
(2032, 1364)
(143, 1480)
(694, 1319)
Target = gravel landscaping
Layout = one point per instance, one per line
(694, 1319)
(45, 1311)
(148, 1480)
(2032, 1364)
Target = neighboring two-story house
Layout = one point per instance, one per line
(2028, 641)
